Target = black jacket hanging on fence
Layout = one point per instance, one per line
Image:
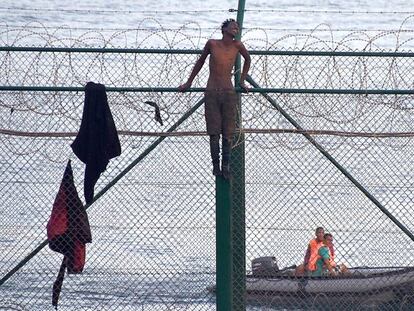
(97, 141)
(68, 230)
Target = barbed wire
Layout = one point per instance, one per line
(232, 10)
(326, 11)
(156, 34)
(204, 133)
(269, 28)
(381, 119)
(106, 11)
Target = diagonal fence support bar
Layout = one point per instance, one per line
(334, 162)
(107, 187)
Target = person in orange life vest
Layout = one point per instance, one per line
(319, 263)
(329, 241)
(314, 246)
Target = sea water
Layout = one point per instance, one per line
(179, 274)
(355, 23)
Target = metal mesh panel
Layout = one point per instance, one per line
(151, 254)
(154, 230)
(292, 188)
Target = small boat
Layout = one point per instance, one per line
(384, 283)
(369, 286)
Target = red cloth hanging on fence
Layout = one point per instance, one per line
(68, 230)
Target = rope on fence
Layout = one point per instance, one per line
(204, 133)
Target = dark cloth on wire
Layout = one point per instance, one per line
(157, 116)
(97, 141)
(68, 230)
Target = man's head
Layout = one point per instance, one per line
(329, 238)
(320, 232)
(230, 26)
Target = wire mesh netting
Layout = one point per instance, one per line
(154, 229)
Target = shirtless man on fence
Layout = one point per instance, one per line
(220, 96)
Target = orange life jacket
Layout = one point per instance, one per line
(314, 253)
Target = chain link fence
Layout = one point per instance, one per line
(154, 229)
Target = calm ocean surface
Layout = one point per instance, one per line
(118, 280)
(264, 21)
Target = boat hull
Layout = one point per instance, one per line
(354, 283)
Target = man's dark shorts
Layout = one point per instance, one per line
(220, 111)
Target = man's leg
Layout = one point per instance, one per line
(226, 152)
(229, 110)
(215, 153)
(213, 122)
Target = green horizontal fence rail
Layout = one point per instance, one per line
(197, 51)
(198, 90)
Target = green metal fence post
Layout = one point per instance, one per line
(238, 194)
(230, 214)
(224, 251)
